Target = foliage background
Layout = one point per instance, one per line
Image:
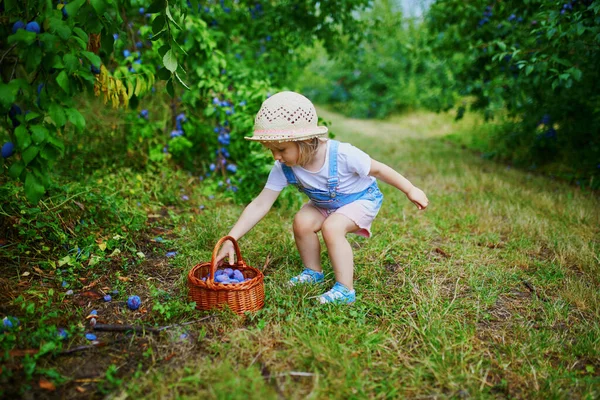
(121, 119)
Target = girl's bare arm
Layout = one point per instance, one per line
(252, 214)
(392, 177)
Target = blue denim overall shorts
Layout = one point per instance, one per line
(332, 199)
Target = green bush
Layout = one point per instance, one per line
(537, 60)
(217, 60)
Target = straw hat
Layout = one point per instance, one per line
(286, 117)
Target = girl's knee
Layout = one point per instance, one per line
(332, 231)
(304, 224)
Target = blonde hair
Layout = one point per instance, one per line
(306, 149)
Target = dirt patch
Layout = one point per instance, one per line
(92, 368)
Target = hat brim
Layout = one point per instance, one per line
(286, 136)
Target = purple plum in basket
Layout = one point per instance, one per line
(232, 280)
(222, 278)
(229, 272)
(237, 274)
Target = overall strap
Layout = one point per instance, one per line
(289, 175)
(332, 181)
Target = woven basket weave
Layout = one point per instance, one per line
(240, 297)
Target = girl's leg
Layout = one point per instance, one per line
(334, 231)
(307, 223)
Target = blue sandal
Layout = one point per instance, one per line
(338, 294)
(307, 276)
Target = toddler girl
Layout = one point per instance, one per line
(338, 179)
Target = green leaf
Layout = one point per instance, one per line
(75, 118)
(31, 116)
(16, 169)
(157, 6)
(57, 114)
(73, 7)
(30, 153)
(59, 27)
(194, 6)
(181, 81)
(158, 24)
(8, 94)
(81, 33)
(529, 69)
(163, 49)
(179, 47)
(46, 348)
(23, 137)
(99, 6)
(56, 143)
(33, 188)
(164, 74)
(168, 12)
(42, 174)
(170, 61)
(71, 63)
(575, 73)
(57, 62)
(94, 59)
(22, 36)
(49, 153)
(170, 88)
(33, 58)
(158, 36)
(38, 133)
(63, 81)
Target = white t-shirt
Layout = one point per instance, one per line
(353, 172)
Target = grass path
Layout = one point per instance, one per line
(493, 292)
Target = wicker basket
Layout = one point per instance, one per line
(240, 297)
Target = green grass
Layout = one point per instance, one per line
(492, 292)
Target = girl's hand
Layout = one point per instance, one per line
(226, 250)
(418, 197)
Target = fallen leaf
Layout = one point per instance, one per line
(79, 205)
(47, 385)
(442, 252)
(22, 352)
(91, 294)
(39, 271)
(80, 389)
(91, 285)
(124, 279)
(64, 260)
(167, 358)
(102, 246)
(93, 261)
(26, 273)
(115, 252)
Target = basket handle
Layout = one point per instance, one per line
(213, 264)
